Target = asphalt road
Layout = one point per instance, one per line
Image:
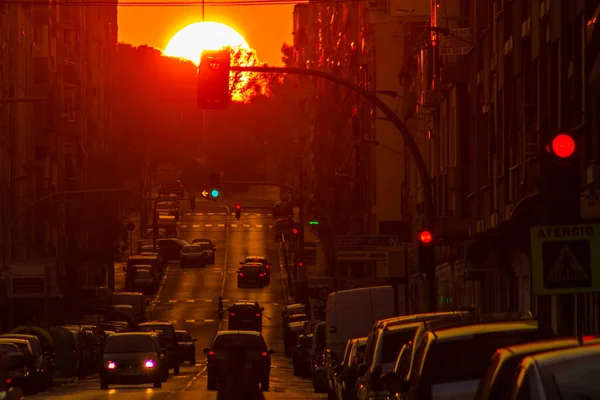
(189, 299)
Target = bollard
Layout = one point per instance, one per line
(220, 307)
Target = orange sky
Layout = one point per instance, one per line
(265, 28)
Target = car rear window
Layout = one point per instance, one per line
(183, 337)
(166, 331)
(251, 270)
(245, 308)
(7, 348)
(464, 360)
(196, 248)
(142, 273)
(129, 344)
(248, 342)
(393, 342)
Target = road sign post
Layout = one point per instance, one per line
(565, 259)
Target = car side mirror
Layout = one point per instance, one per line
(206, 350)
(194, 340)
(271, 351)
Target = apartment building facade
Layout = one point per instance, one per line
(499, 79)
(357, 156)
(56, 126)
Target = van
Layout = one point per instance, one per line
(352, 313)
(134, 299)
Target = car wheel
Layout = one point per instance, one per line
(157, 385)
(264, 385)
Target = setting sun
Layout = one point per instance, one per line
(190, 41)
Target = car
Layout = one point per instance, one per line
(252, 275)
(196, 254)
(168, 340)
(261, 260)
(175, 187)
(133, 357)
(170, 248)
(258, 356)
(187, 346)
(245, 315)
(214, 248)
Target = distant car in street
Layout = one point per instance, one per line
(187, 345)
(245, 315)
(196, 254)
(210, 242)
(252, 275)
(259, 260)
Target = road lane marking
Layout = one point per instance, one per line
(183, 226)
(210, 214)
(234, 225)
(208, 225)
(208, 300)
(259, 226)
(221, 225)
(190, 301)
(246, 225)
(195, 226)
(190, 321)
(209, 320)
(172, 301)
(271, 226)
(222, 213)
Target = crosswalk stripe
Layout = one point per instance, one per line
(196, 226)
(190, 301)
(246, 225)
(210, 214)
(209, 320)
(208, 225)
(259, 226)
(234, 225)
(221, 225)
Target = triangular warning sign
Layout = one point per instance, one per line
(567, 267)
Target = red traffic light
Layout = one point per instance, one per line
(425, 237)
(295, 231)
(238, 206)
(563, 145)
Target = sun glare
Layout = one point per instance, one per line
(190, 41)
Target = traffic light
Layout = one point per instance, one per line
(214, 186)
(238, 211)
(213, 80)
(192, 202)
(425, 238)
(561, 187)
(426, 252)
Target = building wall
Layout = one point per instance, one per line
(56, 72)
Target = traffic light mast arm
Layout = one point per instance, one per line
(376, 101)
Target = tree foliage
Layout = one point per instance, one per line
(156, 113)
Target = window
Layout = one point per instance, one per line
(248, 342)
(130, 344)
(577, 379)
(393, 343)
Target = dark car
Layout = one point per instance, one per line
(168, 340)
(170, 248)
(245, 316)
(133, 358)
(187, 346)
(174, 187)
(252, 275)
(42, 364)
(200, 254)
(212, 245)
(260, 260)
(258, 357)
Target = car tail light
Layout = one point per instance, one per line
(268, 266)
(263, 274)
(149, 364)
(264, 354)
(588, 338)
(231, 314)
(8, 381)
(111, 365)
(257, 314)
(211, 353)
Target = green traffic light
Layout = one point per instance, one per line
(313, 223)
(214, 193)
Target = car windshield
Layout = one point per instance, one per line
(393, 342)
(248, 342)
(130, 344)
(183, 337)
(298, 318)
(446, 362)
(576, 379)
(200, 241)
(196, 248)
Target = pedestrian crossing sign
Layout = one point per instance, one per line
(565, 259)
